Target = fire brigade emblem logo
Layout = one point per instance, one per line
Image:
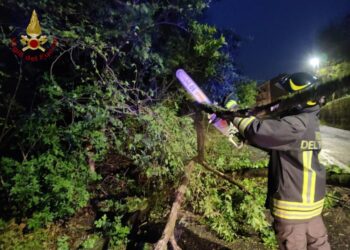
(35, 45)
(33, 40)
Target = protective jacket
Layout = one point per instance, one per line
(296, 183)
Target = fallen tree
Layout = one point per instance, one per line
(168, 232)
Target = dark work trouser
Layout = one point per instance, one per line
(310, 235)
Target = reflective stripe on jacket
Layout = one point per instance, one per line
(296, 184)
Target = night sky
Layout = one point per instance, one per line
(283, 32)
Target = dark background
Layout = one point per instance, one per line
(278, 36)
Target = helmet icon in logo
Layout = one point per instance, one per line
(33, 40)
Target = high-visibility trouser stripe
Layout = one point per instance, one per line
(244, 123)
(296, 203)
(295, 215)
(309, 178)
(296, 206)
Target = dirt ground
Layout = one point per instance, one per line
(337, 219)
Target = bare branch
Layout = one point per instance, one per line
(169, 228)
(58, 57)
(174, 243)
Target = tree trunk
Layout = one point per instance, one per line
(169, 228)
(199, 123)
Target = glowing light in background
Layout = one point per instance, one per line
(314, 62)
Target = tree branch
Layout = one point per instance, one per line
(226, 177)
(169, 228)
(200, 136)
(174, 243)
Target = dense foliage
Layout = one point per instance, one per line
(246, 94)
(226, 209)
(336, 113)
(334, 71)
(101, 123)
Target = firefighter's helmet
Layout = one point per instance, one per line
(230, 102)
(297, 82)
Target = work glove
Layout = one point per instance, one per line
(217, 110)
(215, 113)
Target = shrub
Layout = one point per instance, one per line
(336, 113)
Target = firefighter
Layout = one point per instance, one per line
(296, 179)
